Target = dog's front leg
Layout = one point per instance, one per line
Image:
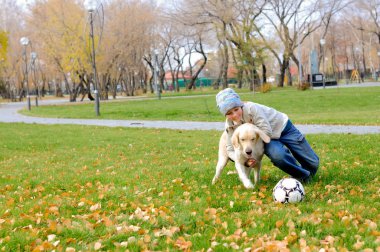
(247, 170)
(241, 170)
(256, 173)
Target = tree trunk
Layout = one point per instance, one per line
(264, 73)
(225, 66)
(282, 74)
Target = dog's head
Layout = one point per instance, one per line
(249, 140)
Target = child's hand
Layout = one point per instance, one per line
(250, 162)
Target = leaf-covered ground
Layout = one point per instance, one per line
(77, 188)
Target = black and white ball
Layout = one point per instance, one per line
(288, 190)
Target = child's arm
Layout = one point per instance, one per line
(260, 119)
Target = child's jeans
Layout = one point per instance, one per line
(293, 154)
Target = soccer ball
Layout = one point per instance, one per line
(288, 190)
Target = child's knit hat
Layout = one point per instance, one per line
(227, 99)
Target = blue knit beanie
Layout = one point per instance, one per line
(227, 99)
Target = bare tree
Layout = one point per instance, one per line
(243, 36)
(365, 28)
(293, 21)
(128, 38)
(11, 58)
(212, 16)
(197, 46)
(371, 8)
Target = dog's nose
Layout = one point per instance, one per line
(248, 152)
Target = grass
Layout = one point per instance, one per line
(85, 188)
(95, 188)
(353, 106)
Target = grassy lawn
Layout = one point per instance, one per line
(96, 188)
(354, 106)
(85, 188)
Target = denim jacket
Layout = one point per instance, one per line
(269, 120)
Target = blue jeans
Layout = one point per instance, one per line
(293, 154)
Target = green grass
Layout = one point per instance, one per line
(354, 106)
(98, 186)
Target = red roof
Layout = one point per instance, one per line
(168, 75)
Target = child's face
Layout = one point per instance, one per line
(235, 114)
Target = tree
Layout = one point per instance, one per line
(197, 46)
(295, 20)
(128, 38)
(243, 35)
(210, 16)
(10, 59)
(364, 19)
(371, 9)
(59, 26)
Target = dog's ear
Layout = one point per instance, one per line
(235, 139)
(263, 136)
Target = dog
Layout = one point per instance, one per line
(248, 143)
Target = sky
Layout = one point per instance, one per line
(24, 3)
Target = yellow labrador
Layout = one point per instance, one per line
(248, 142)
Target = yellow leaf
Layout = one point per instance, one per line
(291, 225)
(261, 195)
(358, 245)
(279, 223)
(147, 239)
(182, 244)
(10, 202)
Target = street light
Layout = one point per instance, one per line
(24, 41)
(299, 60)
(323, 42)
(33, 57)
(155, 73)
(91, 6)
(378, 71)
(253, 71)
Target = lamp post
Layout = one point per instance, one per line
(357, 59)
(253, 71)
(91, 6)
(155, 73)
(378, 70)
(299, 60)
(33, 57)
(323, 42)
(25, 42)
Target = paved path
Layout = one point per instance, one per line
(9, 114)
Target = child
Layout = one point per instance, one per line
(288, 148)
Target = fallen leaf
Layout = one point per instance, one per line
(97, 245)
(182, 244)
(279, 223)
(95, 207)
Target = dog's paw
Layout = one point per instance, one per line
(214, 180)
(248, 184)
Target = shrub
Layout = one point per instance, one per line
(266, 87)
(304, 86)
